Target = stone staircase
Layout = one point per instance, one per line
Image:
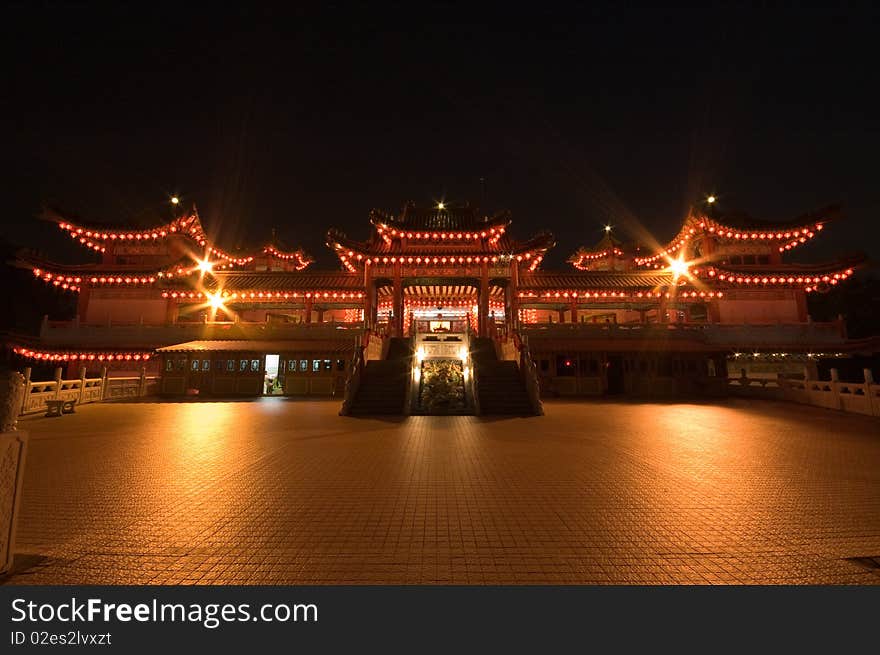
(384, 383)
(500, 386)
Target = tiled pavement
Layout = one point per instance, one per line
(279, 491)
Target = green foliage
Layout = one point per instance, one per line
(442, 388)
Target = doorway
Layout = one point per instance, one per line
(614, 373)
(273, 383)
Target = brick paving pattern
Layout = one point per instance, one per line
(286, 492)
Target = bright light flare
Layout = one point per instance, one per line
(607, 228)
(711, 199)
(175, 200)
(205, 266)
(441, 205)
(215, 300)
(679, 268)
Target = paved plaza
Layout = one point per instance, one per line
(276, 491)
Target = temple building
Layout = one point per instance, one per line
(441, 310)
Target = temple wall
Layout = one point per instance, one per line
(764, 306)
(125, 306)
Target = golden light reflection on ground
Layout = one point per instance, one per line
(280, 491)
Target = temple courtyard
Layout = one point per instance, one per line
(278, 491)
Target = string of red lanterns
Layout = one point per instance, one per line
(80, 356)
(266, 295)
(66, 282)
(809, 282)
(593, 256)
(301, 262)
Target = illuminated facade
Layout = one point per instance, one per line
(623, 319)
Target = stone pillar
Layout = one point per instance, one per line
(58, 383)
(82, 383)
(103, 382)
(811, 371)
(869, 375)
(13, 452)
(308, 310)
(483, 300)
(661, 310)
(27, 387)
(142, 385)
(835, 376)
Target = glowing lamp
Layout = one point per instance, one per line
(710, 199)
(678, 267)
(205, 266)
(175, 200)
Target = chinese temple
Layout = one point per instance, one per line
(441, 310)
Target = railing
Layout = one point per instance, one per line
(353, 381)
(856, 397)
(743, 335)
(529, 374)
(84, 390)
(140, 335)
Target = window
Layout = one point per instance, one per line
(316, 365)
(255, 365)
(242, 365)
(328, 365)
(181, 364)
(206, 364)
(169, 365)
(194, 365)
(303, 365)
(340, 364)
(291, 365)
(230, 365)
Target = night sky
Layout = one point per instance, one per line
(303, 121)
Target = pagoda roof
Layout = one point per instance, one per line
(450, 217)
(739, 220)
(260, 345)
(286, 281)
(548, 280)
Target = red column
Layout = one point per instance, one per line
(573, 306)
(308, 310)
(172, 311)
(368, 296)
(483, 318)
(397, 306)
(513, 319)
(661, 311)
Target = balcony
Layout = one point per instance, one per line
(776, 335)
(81, 335)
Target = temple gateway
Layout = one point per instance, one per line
(441, 310)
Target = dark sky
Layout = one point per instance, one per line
(302, 121)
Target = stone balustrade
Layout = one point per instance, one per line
(855, 397)
(84, 390)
